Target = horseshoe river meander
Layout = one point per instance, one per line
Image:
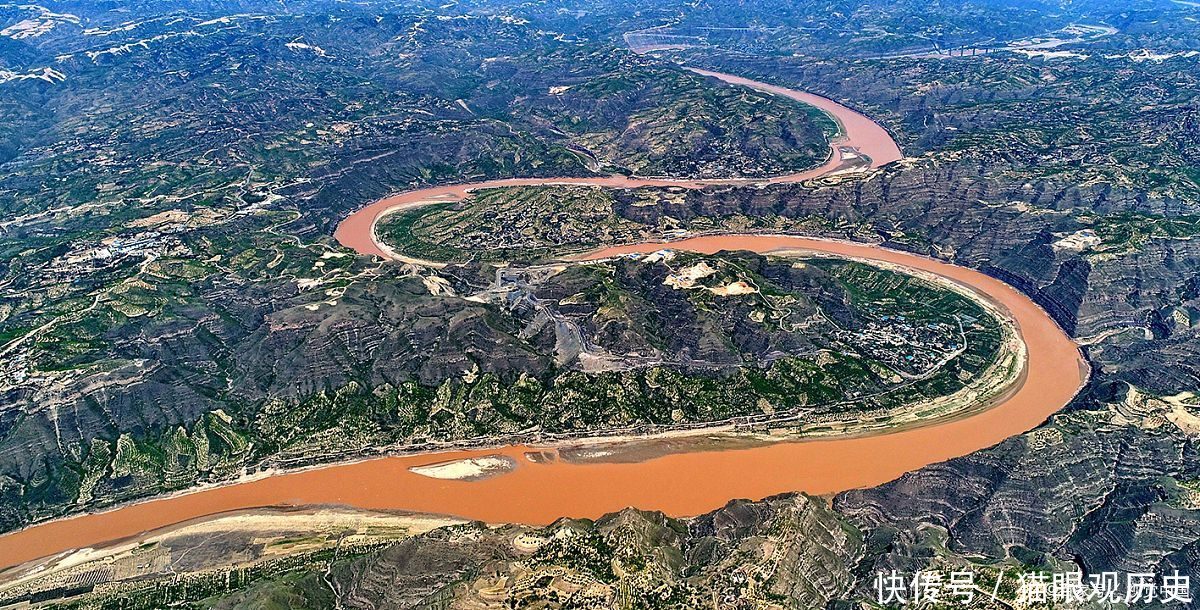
(668, 473)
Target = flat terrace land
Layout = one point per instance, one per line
(243, 545)
(546, 222)
(504, 224)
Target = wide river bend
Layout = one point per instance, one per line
(684, 481)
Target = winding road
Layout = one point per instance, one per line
(680, 476)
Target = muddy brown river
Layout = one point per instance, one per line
(689, 478)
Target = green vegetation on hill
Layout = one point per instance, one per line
(635, 346)
(548, 222)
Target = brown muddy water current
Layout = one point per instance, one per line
(688, 478)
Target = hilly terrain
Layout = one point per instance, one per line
(174, 310)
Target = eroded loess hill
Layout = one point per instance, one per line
(792, 548)
(170, 174)
(483, 354)
(1124, 495)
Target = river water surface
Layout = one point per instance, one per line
(681, 483)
